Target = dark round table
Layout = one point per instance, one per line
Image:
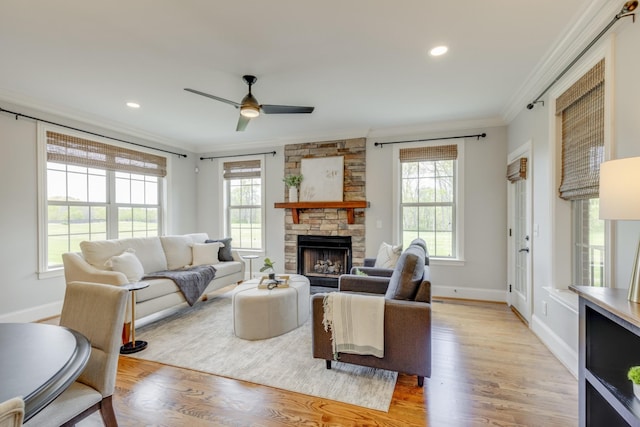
(39, 361)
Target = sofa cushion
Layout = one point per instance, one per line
(224, 254)
(205, 253)
(148, 250)
(408, 274)
(177, 249)
(157, 288)
(128, 264)
(226, 268)
(387, 255)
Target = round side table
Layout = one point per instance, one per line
(250, 258)
(134, 346)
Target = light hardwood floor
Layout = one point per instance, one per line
(488, 369)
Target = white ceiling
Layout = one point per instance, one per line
(363, 64)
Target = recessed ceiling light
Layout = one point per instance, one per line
(133, 105)
(438, 50)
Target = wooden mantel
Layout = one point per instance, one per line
(349, 206)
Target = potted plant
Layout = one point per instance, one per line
(293, 182)
(634, 376)
(268, 267)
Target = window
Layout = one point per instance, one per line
(428, 198)
(581, 111)
(96, 191)
(589, 244)
(244, 211)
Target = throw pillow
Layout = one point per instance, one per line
(407, 275)
(128, 264)
(225, 251)
(206, 253)
(388, 255)
(177, 249)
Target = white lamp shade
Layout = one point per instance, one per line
(620, 189)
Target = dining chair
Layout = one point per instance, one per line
(12, 412)
(96, 311)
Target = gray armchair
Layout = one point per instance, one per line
(407, 315)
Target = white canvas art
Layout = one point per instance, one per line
(323, 179)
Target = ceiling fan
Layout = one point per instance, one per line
(249, 107)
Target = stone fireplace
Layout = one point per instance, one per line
(328, 221)
(324, 258)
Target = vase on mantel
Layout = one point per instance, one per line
(293, 194)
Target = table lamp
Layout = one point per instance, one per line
(620, 200)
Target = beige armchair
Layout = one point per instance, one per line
(407, 316)
(96, 311)
(12, 412)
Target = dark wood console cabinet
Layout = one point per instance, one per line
(609, 346)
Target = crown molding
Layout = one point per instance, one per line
(421, 130)
(581, 31)
(58, 113)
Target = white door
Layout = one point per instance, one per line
(520, 247)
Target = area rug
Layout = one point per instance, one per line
(201, 338)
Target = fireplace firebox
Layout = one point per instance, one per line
(324, 258)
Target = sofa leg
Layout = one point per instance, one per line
(420, 381)
(328, 364)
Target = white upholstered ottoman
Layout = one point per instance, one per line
(266, 313)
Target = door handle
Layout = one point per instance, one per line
(524, 250)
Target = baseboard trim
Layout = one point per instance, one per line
(469, 293)
(33, 314)
(565, 354)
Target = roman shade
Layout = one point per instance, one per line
(581, 108)
(517, 170)
(73, 150)
(242, 169)
(434, 152)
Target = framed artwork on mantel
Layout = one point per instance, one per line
(323, 179)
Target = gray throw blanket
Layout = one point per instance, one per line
(191, 281)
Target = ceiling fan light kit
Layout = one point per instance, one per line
(250, 108)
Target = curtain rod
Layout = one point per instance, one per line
(626, 10)
(2, 110)
(478, 136)
(273, 153)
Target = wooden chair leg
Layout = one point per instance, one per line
(108, 415)
(328, 364)
(420, 381)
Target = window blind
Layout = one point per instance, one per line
(581, 108)
(76, 151)
(435, 152)
(242, 169)
(517, 170)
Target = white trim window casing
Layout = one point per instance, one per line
(243, 208)
(566, 235)
(428, 196)
(77, 202)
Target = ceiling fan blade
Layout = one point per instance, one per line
(285, 109)
(217, 98)
(242, 123)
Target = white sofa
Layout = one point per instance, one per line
(155, 254)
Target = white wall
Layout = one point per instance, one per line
(483, 275)
(558, 327)
(210, 200)
(24, 296)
